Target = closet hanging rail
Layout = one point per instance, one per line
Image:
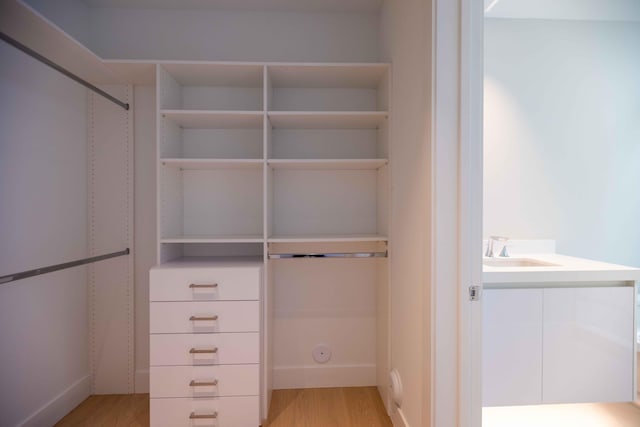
(331, 255)
(46, 61)
(52, 268)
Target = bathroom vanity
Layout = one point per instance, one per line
(557, 329)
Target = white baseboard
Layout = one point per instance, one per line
(398, 419)
(51, 412)
(285, 377)
(142, 381)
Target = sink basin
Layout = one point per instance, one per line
(516, 262)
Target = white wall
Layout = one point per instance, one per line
(562, 135)
(407, 43)
(145, 224)
(43, 221)
(233, 35)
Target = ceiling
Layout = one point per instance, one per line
(589, 10)
(362, 6)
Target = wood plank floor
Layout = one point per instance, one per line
(323, 407)
(327, 407)
(117, 410)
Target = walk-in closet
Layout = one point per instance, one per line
(233, 199)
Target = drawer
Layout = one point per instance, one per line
(175, 349)
(215, 412)
(205, 284)
(204, 316)
(205, 381)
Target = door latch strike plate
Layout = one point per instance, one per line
(474, 293)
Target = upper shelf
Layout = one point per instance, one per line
(327, 164)
(368, 76)
(216, 74)
(327, 120)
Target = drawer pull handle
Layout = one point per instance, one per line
(203, 318)
(195, 383)
(204, 351)
(196, 286)
(195, 416)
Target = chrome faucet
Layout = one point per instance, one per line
(491, 240)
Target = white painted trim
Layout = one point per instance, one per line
(445, 251)
(398, 419)
(456, 206)
(470, 211)
(324, 376)
(142, 381)
(52, 411)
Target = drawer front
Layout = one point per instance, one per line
(204, 316)
(206, 284)
(228, 412)
(205, 381)
(204, 349)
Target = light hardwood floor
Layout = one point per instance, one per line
(117, 410)
(325, 407)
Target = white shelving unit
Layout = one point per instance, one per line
(267, 152)
(259, 158)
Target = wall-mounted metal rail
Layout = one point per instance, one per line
(13, 42)
(56, 267)
(331, 255)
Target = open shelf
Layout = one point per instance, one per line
(325, 201)
(328, 238)
(213, 239)
(203, 164)
(334, 87)
(208, 200)
(211, 86)
(328, 75)
(327, 119)
(213, 248)
(214, 119)
(327, 164)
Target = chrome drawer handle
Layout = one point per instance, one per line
(203, 351)
(203, 318)
(196, 286)
(195, 416)
(195, 383)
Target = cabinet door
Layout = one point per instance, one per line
(588, 345)
(512, 347)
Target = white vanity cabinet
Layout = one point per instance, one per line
(569, 344)
(512, 347)
(588, 352)
(205, 343)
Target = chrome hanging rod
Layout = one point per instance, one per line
(52, 268)
(46, 61)
(331, 255)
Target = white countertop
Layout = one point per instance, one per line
(568, 269)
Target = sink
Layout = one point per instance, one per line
(516, 262)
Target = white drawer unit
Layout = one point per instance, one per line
(204, 349)
(204, 316)
(205, 344)
(205, 381)
(216, 412)
(204, 284)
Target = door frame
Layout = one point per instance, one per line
(456, 206)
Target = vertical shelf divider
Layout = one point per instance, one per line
(267, 293)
